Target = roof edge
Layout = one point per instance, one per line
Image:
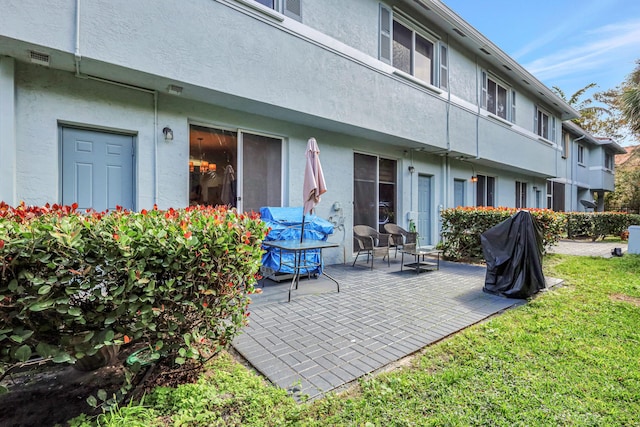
(437, 6)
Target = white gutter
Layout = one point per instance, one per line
(476, 38)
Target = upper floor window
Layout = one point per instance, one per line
(566, 140)
(608, 161)
(580, 154)
(497, 98)
(545, 125)
(290, 8)
(412, 51)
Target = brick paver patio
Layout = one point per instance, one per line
(322, 339)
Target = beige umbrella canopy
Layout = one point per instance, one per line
(314, 185)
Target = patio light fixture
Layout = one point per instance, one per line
(168, 134)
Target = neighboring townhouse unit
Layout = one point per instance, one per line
(170, 102)
(585, 172)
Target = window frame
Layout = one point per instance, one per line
(551, 124)
(415, 35)
(233, 155)
(521, 195)
(281, 6)
(378, 184)
(556, 196)
(608, 161)
(485, 190)
(566, 143)
(580, 154)
(439, 72)
(510, 93)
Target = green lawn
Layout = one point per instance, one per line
(569, 357)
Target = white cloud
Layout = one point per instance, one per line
(588, 11)
(600, 47)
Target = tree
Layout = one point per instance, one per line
(596, 119)
(627, 194)
(629, 100)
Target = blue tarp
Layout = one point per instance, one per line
(286, 224)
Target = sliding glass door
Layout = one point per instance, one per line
(374, 188)
(234, 168)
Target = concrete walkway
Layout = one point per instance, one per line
(323, 340)
(587, 248)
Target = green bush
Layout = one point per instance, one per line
(597, 225)
(71, 283)
(462, 227)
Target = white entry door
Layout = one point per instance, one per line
(97, 169)
(424, 209)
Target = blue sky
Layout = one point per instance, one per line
(564, 43)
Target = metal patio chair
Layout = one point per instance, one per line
(400, 236)
(368, 240)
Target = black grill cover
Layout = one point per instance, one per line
(513, 251)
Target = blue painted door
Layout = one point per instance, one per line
(424, 209)
(458, 192)
(97, 169)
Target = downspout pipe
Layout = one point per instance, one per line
(447, 171)
(155, 147)
(478, 100)
(76, 54)
(78, 59)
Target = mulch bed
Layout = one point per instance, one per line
(53, 394)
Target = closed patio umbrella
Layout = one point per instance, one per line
(314, 185)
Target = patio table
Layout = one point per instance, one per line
(300, 260)
(419, 252)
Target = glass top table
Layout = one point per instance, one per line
(301, 261)
(419, 253)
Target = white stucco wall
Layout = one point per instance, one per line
(45, 99)
(329, 86)
(462, 74)
(327, 17)
(7, 131)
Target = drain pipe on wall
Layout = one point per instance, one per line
(155, 147)
(447, 165)
(76, 55)
(478, 100)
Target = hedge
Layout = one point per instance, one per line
(597, 225)
(177, 280)
(462, 227)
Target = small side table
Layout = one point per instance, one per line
(419, 263)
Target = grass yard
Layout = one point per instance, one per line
(569, 357)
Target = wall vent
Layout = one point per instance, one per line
(39, 58)
(485, 51)
(422, 5)
(460, 33)
(174, 89)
